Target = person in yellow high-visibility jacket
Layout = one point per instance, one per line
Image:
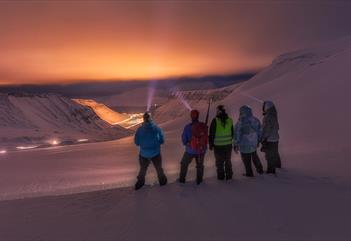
(221, 136)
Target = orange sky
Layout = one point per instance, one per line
(70, 41)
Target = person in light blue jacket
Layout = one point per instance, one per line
(247, 136)
(149, 137)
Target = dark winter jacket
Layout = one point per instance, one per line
(149, 138)
(186, 139)
(270, 123)
(213, 127)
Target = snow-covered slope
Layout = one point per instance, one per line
(37, 119)
(110, 116)
(311, 89)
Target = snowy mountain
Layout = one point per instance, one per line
(38, 119)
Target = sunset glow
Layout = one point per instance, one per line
(73, 41)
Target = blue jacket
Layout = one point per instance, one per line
(247, 131)
(149, 138)
(186, 139)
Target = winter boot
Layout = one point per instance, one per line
(139, 185)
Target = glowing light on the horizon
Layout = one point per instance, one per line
(82, 140)
(54, 142)
(25, 147)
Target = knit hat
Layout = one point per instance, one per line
(194, 114)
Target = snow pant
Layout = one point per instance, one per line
(223, 155)
(186, 160)
(247, 158)
(144, 164)
(272, 156)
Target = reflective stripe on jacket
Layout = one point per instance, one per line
(223, 135)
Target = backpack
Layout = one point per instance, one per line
(199, 137)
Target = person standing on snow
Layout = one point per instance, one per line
(149, 137)
(221, 141)
(195, 140)
(247, 136)
(270, 136)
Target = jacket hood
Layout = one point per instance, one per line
(245, 111)
(269, 108)
(149, 124)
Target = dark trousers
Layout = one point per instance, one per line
(186, 160)
(272, 156)
(223, 156)
(247, 158)
(144, 164)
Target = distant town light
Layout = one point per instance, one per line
(82, 140)
(54, 142)
(25, 147)
(3, 151)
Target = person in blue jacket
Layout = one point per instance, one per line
(149, 137)
(247, 136)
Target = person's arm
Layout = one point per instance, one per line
(266, 128)
(233, 131)
(259, 131)
(161, 136)
(212, 133)
(185, 139)
(237, 133)
(236, 137)
(136, 138)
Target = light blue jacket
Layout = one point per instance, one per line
(149, 138)
(247, 131)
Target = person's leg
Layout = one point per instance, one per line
(184, 163)
(270, 158)
(144, 163)
(218, 152)
(199, 168)
(157, 161)
(228, 162)
(278, 163)
(246, 158)
(257, 162)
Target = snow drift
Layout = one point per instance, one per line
(28, 118)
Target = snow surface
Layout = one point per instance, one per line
(308, 200)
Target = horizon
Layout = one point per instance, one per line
(90, 89)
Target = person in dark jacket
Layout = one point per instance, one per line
(221, 141)
(247, 136)
(190, 153)
(149, 137)
(270, 136)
